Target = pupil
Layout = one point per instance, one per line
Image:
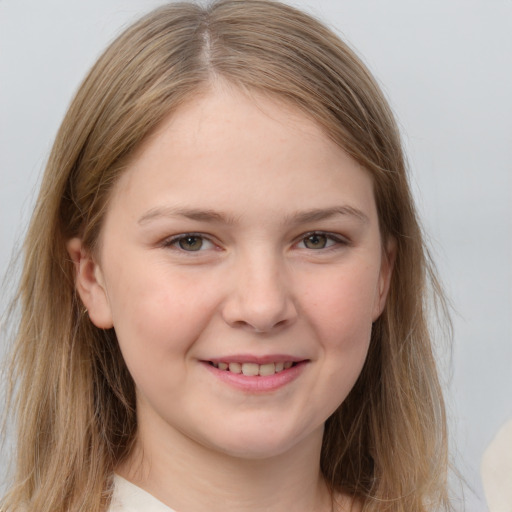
(191, 243)
(315, 241)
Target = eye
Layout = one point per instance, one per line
(189, 242)
(320, 241)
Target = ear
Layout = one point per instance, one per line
(386, 271)
(90, 284)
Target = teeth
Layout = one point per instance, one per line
(267, 369)
(253, 369)
(250, 369)
(235, 367)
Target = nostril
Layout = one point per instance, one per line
(259, 313)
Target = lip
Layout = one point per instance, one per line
(251, 358)
(257, 384)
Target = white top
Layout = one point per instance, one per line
(127, 497)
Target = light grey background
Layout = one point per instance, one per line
(446, 66)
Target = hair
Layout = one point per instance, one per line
(71, 393)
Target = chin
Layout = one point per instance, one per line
(255, 452)
(260, 444)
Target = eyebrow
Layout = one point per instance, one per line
(301, 217)
(189, 213)
(318, 214)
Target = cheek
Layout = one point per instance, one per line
(157, 315)
(340, 309)
(341, 304)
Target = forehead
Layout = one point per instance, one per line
(226, 146)
(210, 115)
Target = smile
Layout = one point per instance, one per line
(254, 369)
(257, 375)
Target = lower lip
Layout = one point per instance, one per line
(258, 384)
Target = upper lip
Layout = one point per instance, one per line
(251, 358)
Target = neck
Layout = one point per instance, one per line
(188, 476)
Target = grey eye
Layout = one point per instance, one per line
(315, 241)
(190, 243)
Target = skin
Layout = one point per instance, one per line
(251, 179)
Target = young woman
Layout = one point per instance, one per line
(224, 294)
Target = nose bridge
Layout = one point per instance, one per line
(262, 295)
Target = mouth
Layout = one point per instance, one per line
(253, 369)
(257, 374)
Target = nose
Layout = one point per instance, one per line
(261, 296)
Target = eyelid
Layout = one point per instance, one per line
(339, 240)
(171, 241)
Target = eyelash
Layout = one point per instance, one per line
(173, 241)
(336, 240)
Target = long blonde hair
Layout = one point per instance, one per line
(72, 396)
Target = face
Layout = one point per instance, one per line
(241, 266)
